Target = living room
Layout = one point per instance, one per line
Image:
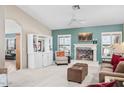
(65, 46)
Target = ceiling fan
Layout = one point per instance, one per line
(74, 19)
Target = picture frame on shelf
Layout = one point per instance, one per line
(39, 46)
(35, 43)
(43, 46)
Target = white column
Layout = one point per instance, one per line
(2, 36)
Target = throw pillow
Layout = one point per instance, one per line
(60, 53)
(115, 59)
(104, 84)
(120, 67)
(118, 59)
(121, 59)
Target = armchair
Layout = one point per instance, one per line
(61, 58)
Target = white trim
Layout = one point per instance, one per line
(111, 33)
(64, 35)
(114, 32)
(40, 35)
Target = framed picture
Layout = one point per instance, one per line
(39, 46)
(35, 43)
(85, 36)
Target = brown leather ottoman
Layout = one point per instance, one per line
(83, 65)
(77, 72)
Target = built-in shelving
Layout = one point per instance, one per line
(39, 51)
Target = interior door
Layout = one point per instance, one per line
(45, 59)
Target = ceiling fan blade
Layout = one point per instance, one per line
(81, 21)
(71, 21)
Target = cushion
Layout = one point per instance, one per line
(120, 67)
(115, 58)
(106, 65)
(108, 84)
(112, 60)
(81, 64)
(119, 59)
(60, 53)
(61, 58)
(107, 69)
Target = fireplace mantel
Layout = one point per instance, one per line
(91, 46)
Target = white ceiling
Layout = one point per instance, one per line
(59, 16)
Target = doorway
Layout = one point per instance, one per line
(12, 45)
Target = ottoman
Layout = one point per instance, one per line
(77, 72)
(85, 67)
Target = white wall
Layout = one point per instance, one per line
(12, 27)
(2, 37)
(28, 24)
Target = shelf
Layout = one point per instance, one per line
(91, 41)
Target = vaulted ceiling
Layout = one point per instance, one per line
(59, 16)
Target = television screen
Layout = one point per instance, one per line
(85, 36)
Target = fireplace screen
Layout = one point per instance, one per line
(84, 54)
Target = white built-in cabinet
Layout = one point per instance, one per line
(40, 52)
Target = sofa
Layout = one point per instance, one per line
(10, 55)
(114, 68)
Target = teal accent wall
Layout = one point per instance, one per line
(96, 30)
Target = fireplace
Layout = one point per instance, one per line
(85, 52)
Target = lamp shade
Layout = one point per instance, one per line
(119, 48)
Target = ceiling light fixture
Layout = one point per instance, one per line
(75, 19)
(75, 7)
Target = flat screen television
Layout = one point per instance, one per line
(85, 36)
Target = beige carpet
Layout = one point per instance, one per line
(10, 65)
(51, 76)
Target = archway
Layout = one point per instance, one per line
(13, 45)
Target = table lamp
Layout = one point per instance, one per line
(119, 49)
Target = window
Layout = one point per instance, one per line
(106, 39)
(109, 38)
(64, 43)
(10, 43)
